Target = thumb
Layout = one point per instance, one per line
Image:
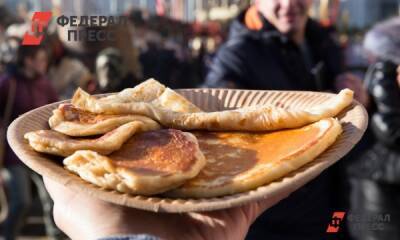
(269, 201)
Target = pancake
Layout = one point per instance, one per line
(238, 162)
(254, 118)
(146, 91)
(151, 91)
(76, 122)
(52, 142)
(149, 163)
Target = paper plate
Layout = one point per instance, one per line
(354, 120)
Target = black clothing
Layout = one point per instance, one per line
(266, 59)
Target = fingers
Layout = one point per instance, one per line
(56, 190)
(51, 187)
(269, 202)
(254, 210)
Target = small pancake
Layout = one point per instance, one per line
(52, 142)
(149, 163)
(151, 91)
(146, 91)
(76, 122)
(238, 162)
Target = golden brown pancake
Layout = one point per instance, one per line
(149, 163)
(253, 118)
(52, 142)
(238, 162)
(76, 122)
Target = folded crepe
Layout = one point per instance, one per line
(77, 122)
(254, 118)
(55, 143)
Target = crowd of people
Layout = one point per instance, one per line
(272, 45)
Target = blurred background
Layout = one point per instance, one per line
(173, 41)
(187, 33)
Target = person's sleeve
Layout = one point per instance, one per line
(3, 95)
(228, 68)
(132, 237)
(386, 94)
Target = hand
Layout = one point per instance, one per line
(398, 75)
(351, 81)
(81, 216)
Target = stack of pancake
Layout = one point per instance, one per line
(150, 140)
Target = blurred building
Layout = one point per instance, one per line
(184, 10)
(355, 14)
(193, 10)
(364, 13)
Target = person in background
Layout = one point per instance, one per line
(8, 52)
(111, 74)
(32, 90)
(274, 45)
(158, 62)
(65, 72)
(375, 180)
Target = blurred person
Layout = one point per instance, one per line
(158, 62)
(65, 72)
(18, 29)
(375, 181)
(8, 52)
(82, 216)
(276, 38)
(27, 87)
(274, 45)
(111, 73)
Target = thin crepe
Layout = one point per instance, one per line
(77, 122)
(254, 118)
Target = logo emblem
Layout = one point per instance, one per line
(337, 219)
(40, 20)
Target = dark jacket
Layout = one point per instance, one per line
(266, 59)
(381, 163)
(376, 173)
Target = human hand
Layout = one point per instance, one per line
(351, 81)
(81, 216)
(398, 75)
